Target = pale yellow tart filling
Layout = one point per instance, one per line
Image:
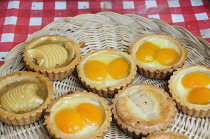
(21, 96)
(106, 69)
(52, 55)
(194, 87)
(77, 116)
(157, 52)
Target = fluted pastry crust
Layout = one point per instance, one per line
(140, 109)
(157, 73)
(182, 104)
(106, 91)
(26, 117)
(63, 61)
(58, 134)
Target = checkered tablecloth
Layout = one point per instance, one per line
(20, 18)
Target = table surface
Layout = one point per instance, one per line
(19, 19)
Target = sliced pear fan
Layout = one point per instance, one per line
(21, 99)
(49, 56)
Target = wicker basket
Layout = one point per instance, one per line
(110, 30)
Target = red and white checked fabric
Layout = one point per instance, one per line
(20, 18)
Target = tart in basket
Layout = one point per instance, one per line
(24, 96)
(78, 115)
(106, 71)
(190, 88)
(54, 56)
(166, 135)
(142, 109)
(158, 55)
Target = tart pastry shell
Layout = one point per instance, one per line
(106, 91)
(166, 135)
(52, 73)
(137, 127)
(100, 133)
(186, 107)
(31, 116)
(158, 73)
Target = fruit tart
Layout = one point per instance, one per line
(158, 55)
(24, 96)
(54, 56)
(106, 71)
(190, 88)
(78, 115)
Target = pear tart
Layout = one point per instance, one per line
(190, 88)
(166, 135)
(158, 55)
(78, 115)
(54, 56)
(106, 71)
(24, 96)
(142, 109)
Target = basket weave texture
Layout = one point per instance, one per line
(110, 30)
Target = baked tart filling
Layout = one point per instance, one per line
(23, 97)
(79, 115)
(140, 109)
(27, 97)
(106, 71)
(54, 56)
(157, 55)
(190, 86)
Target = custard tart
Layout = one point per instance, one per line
(142, 109)
(166, 135)
(54, 56)
(106, 71)
(190, 88)
(24, 96)
(78, 115)
(158, 55)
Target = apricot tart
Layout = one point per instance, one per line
(142, 109)
(106, 71)
(78, 115)
(54, 56)
(166, 135)
(190, 87)
(158, 55)
(24, 96)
